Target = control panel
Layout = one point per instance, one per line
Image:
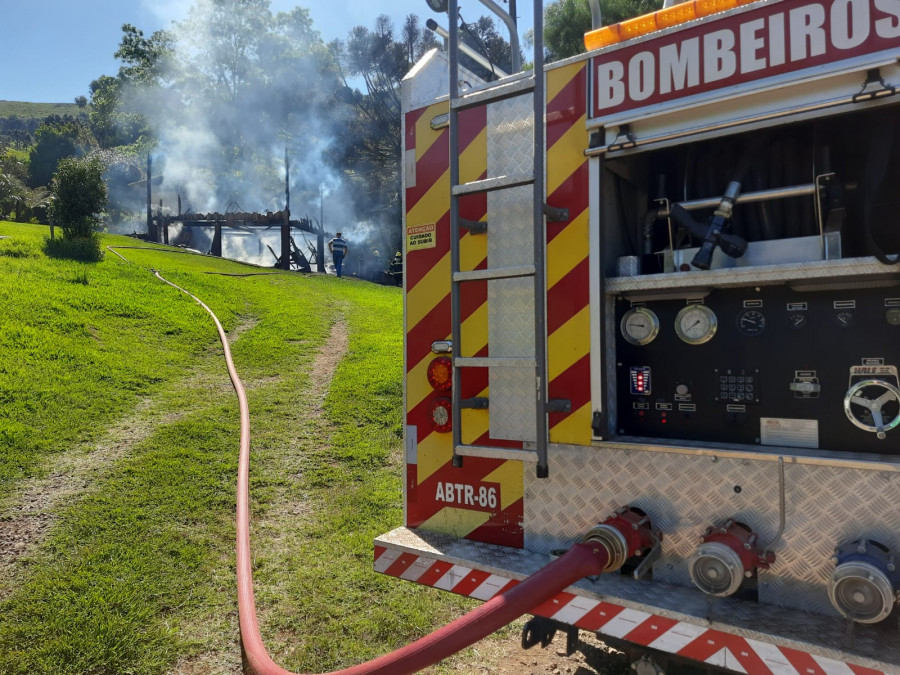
(766, 366)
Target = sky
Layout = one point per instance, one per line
(53, 49)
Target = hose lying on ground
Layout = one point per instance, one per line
(583, 559)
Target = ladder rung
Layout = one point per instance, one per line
(490, 184)
(496, 453)
(523, 85)
(494, 362)
(511, 272)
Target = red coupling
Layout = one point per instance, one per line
(728, 553)
(625, 534)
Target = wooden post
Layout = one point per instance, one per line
(151, 233)
(286, 245)
(217, 241)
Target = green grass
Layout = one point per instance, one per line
(27, 110)
(137, 573)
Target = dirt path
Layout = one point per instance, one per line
(28, 514)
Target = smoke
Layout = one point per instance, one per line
(243, 87)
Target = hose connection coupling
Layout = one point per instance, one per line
(865, 582)
(728, 553)
(625, 534)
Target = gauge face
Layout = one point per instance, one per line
(892, 316)
(844, 319)
(751, 322)
(696, 324)
(796, 320)
(639, 326)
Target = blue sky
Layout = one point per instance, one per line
(54, 48)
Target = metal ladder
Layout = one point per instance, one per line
(535, 270)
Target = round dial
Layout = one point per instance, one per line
(844, 319)
(639, 326)
(696, 324)
(892, 316)
(796, 319)
(751, 322)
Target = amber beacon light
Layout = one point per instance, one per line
(663, 18)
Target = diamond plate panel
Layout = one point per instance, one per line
(511, 242)
(513, 403)
(510, 215)
(685, 493)
(510, 136)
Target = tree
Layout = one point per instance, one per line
(81, 101)
(566, 22)
(79, 196)
(56, 138)
(482, 36)
(370, 152)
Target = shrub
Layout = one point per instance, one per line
(86, 249)
(79, 196)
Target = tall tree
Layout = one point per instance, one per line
(370, 153)
(566, 22)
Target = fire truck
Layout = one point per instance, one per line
(651, 299)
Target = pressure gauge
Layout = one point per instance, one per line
(844, 319)
(639, 326)
(796, 320)
(696, 324)
(751, 322)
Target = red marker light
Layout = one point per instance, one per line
(441, 416)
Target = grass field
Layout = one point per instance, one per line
(105, 369)
(38, 110)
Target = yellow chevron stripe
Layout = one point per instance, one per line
(433, 204)
(473, 160)
(434, 451)
(567, 249)
(558, 78)
(455, 522)
(566, 155)
(575, 428)
(474, 422)
(425, 135)
(426, 294)
(509, 475)
(472, 250)
(568, 343)
(474, 332)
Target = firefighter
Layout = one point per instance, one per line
(338, 248)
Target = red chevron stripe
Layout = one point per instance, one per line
(429, 168)
(550, 607)
(566, 108)
(572, 384)
(572, 194)
(419, 263)
(650, 629)
(410, 121)
(505, 528)
(379, 550)
(599, 616)
(804, 663)
(401, 564)
(568, 296)
(473, 580)
(434, 573)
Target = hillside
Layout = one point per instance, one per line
(25, 110)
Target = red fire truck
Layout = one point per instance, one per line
(652, 287)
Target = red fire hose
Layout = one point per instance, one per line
(583, 559)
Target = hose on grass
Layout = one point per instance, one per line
(583, 559)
